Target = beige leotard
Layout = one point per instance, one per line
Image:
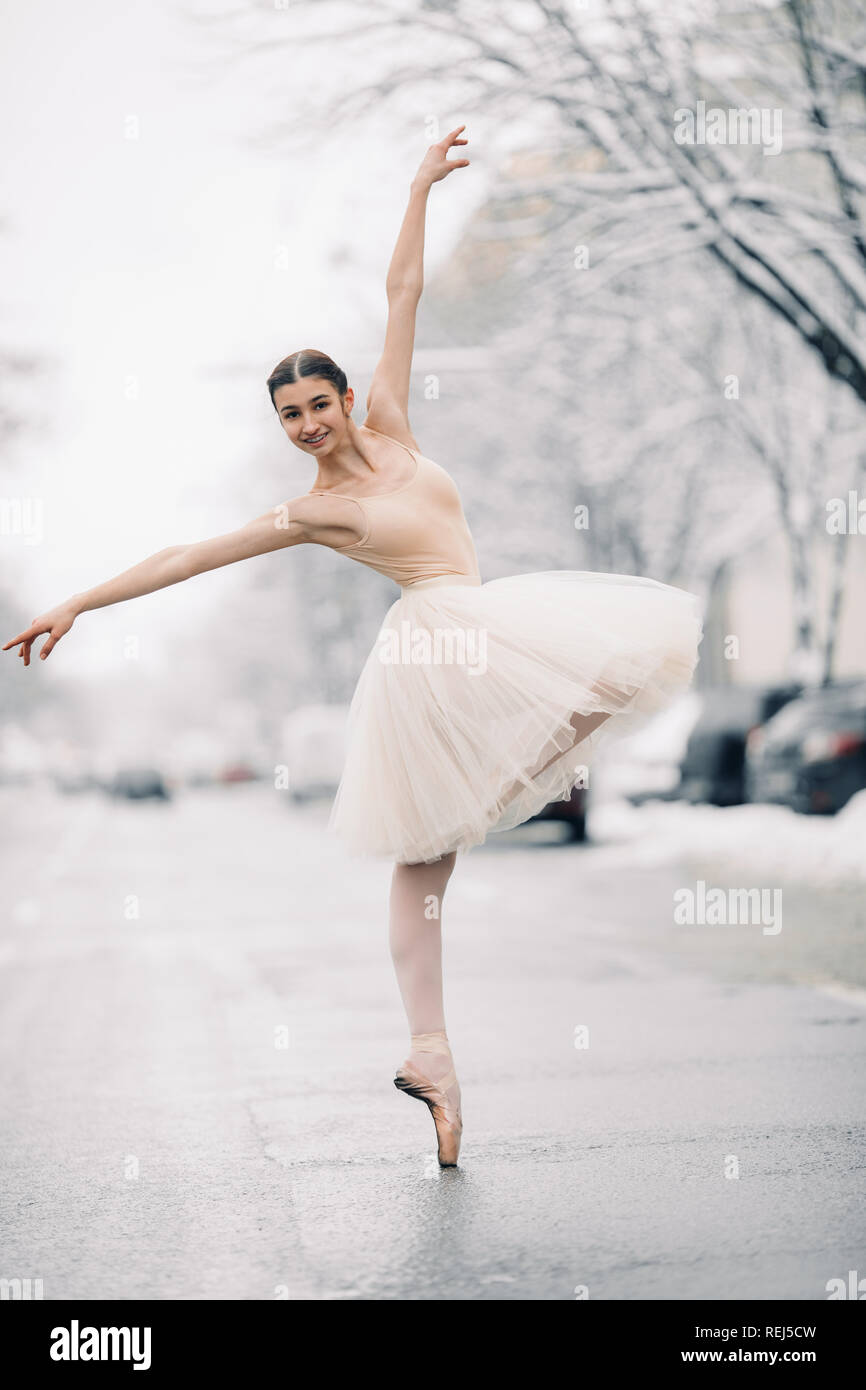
(415, 533)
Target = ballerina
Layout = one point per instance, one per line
(480, 702)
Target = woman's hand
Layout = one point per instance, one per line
(57, 623)
(435, 165)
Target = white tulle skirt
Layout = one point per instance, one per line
(474, 708)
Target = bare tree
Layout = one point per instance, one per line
(622, 78)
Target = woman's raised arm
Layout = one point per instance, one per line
(272, 531)
(388, 397)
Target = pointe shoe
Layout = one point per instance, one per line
(446, 1117)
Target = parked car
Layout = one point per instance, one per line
(812, 755)
(713, 768)
(236, 772)
(646, 765)
(571, 812)
(139, 784)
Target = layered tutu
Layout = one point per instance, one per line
(474, 708)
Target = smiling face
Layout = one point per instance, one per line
(313, 414)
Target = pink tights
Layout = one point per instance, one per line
(415, 927)
(415, 935)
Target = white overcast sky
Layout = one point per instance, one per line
(156, 260)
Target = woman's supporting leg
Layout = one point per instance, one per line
(415, 937)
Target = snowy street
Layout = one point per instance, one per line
(200, 1027)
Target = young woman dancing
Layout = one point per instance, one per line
(480, 702)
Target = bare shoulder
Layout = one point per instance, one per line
(390, 420)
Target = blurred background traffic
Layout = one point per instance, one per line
(799, 748)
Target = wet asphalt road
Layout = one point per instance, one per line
(200, 1026)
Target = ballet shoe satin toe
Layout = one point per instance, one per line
(446, 1115)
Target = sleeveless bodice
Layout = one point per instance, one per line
(416, 532)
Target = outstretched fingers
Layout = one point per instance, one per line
(452, 138)
(26, 640)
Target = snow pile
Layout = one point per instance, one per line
(759, 838)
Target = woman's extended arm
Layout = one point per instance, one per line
(388, 397)
(177, 562)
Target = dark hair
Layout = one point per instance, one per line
(307, 362)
